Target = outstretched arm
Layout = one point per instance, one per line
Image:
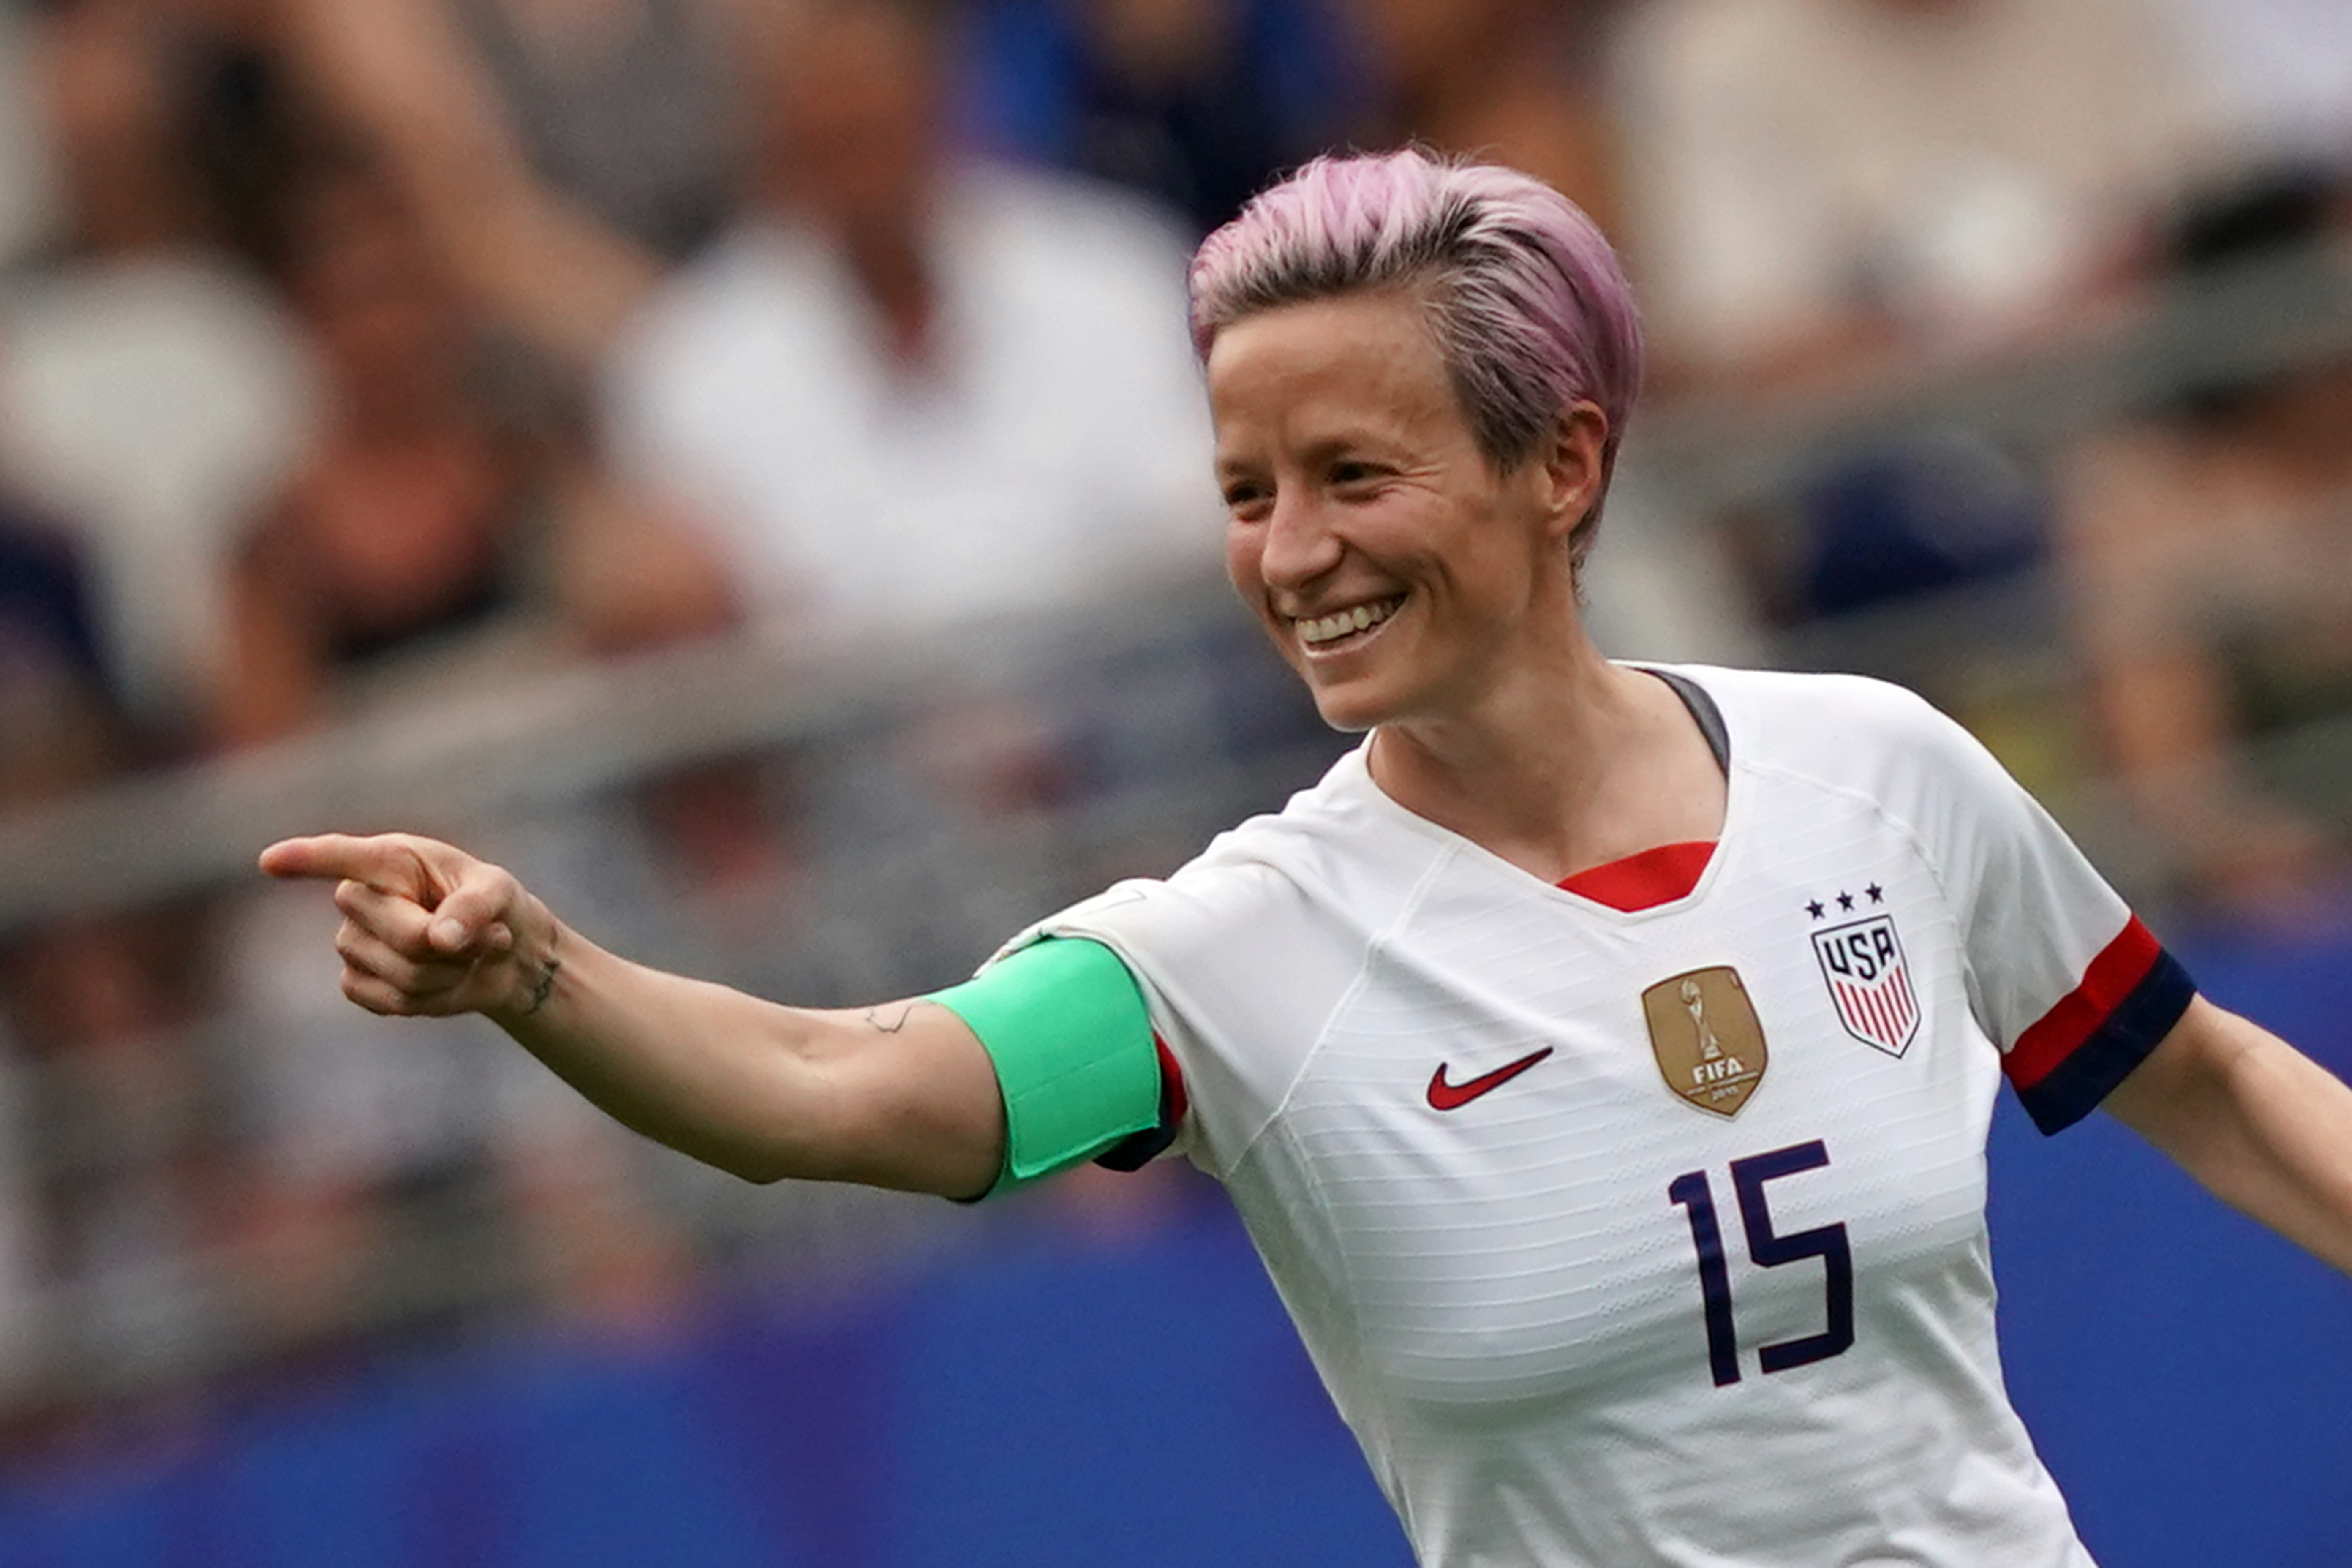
(2265, 1128)
(897, 1096)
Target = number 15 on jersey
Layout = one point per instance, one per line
(1768, 1249)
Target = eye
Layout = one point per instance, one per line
(1246, 498)
(1355, 473)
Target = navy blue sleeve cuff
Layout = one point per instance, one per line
(2075, 1086)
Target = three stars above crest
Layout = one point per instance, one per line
(1845, 901)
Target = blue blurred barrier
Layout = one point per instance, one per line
(1034, 1404)
(1047, 1400)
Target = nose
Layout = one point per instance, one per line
(1299, 543)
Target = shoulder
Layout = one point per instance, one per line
(1298, 895)
(1338, 844)
(1246, 952)
(1880, 747)
(1785, 716)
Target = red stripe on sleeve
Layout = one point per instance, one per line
(2111, 977)
(1171, 1084)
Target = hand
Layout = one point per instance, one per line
(428, 930)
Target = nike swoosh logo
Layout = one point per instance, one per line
(1444, 1095)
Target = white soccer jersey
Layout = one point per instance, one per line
(1658, 1237)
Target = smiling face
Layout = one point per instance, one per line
(1395, 569)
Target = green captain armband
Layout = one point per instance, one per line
(1064, 1023)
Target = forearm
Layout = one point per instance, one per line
(2284, 1148)
(898, 1096)
(761, 1091)
(2262, 1126)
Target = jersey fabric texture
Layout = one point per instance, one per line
(1658, 1237)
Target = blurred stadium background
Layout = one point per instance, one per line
(736, 462)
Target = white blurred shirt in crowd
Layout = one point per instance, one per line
(1056, 448)
(2283, 70)
(155, 402)
(1957, 165)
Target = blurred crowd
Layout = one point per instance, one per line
(355, 354)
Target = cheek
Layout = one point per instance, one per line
(1245, 568)
(1244, 546)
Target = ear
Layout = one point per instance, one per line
(1572, 466)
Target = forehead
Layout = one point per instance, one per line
(1358, 360)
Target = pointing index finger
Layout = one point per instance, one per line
(385, 862)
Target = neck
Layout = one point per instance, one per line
(1580, 762)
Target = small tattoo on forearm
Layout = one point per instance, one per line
(544, 987)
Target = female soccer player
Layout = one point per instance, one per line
(1600, 1055)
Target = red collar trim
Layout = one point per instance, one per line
(1645, 880)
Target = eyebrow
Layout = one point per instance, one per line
(1323, 450)
(1332, 446)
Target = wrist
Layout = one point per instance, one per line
(535, 971)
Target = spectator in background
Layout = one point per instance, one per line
(1825, 185)
(560, 154)
(439, 533)
(409, 524)
(907, 390)
(553, 159)
(1519, 81)
(152, 391)
(903, 389)
(1828, 200)
(2204, 546)
(1196, 104)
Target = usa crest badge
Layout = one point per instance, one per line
(1870, 983)
(1705, 1036)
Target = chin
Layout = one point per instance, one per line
(1350, 711)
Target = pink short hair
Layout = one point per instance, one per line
(1531, 309)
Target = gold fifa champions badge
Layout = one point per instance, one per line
(1705, 1033)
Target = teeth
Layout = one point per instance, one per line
(1339, 623)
